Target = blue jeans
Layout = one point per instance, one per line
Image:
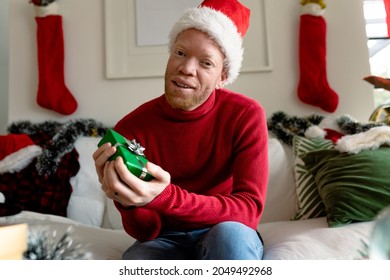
(224, 241)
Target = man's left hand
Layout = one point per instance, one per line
(126, 188)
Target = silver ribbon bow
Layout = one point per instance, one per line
(136, 148)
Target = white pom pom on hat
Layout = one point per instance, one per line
(226, 21)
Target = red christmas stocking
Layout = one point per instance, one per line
(387, 9)
(313, 87)
(53, 94)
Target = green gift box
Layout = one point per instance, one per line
(131, 153)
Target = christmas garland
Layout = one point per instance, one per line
(285, 127)
(63, 136)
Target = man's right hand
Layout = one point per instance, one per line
(101, 156)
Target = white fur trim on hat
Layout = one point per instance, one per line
(20, 159)
(370, 139)
(220, 28)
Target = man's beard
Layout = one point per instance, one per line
(185, 103)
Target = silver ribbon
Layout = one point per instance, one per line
(136, 148)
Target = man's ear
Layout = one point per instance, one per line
(222, 80)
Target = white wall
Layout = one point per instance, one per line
(109, 100)
(3, 65)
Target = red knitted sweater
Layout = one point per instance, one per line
(217, 156)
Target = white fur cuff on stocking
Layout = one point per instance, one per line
(43, 11)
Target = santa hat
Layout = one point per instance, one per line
(226, 21)
(328, 128)
(16, 152)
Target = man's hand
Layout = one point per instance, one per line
(101, 156)
(126, 188)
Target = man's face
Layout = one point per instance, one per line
(194, 70)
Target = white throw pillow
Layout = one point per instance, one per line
(281, 196)
(87, 201)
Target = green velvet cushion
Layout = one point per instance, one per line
(309, 203)
(353, 187)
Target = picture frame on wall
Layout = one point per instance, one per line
(136, 33)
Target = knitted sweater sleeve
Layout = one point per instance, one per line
(140, 223)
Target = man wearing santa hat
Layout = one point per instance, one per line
(206, 146)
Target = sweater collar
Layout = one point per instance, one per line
(188, 115)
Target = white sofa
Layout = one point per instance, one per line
(96, 224)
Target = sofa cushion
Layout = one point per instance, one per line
(101, 243)
(112, 218)
(87, 202)
(353, 187)
(312, 239)
(281, 197)
(309, 203)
